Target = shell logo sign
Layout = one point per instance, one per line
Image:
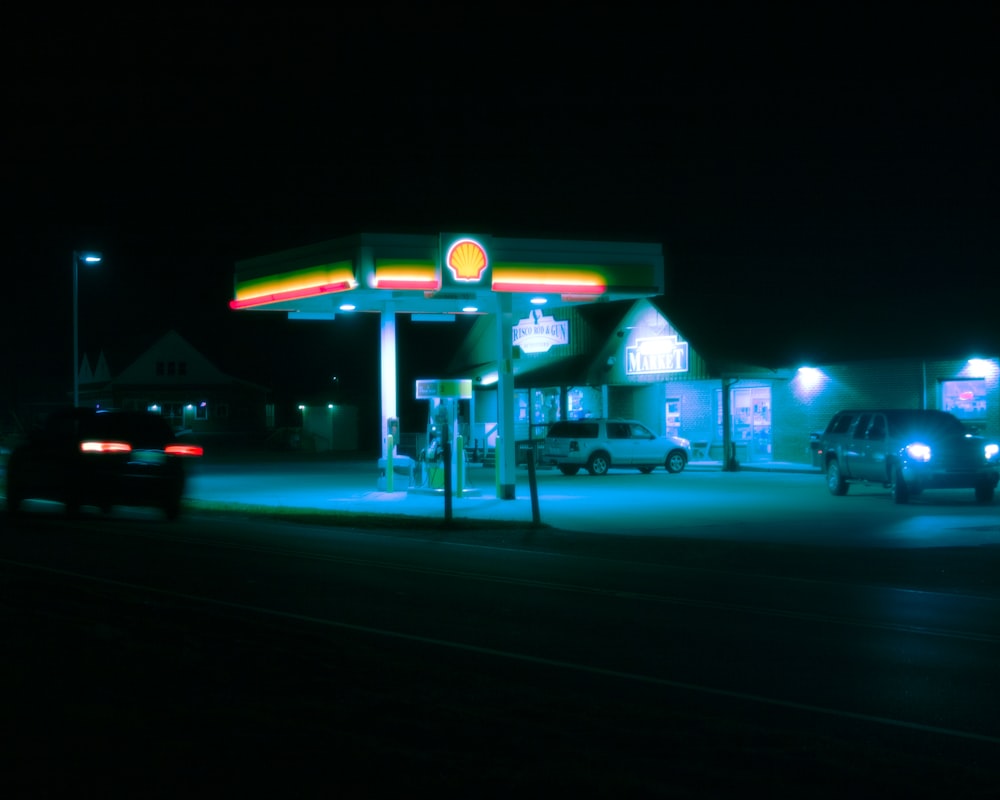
(466, 260)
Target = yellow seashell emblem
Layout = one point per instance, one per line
(467, 260)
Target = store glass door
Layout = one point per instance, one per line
(751, 409)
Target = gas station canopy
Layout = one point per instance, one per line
(444, 274)
(439, 277)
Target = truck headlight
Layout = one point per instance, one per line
(918, 452)
(991, 451)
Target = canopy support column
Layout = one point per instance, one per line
(387, 362)
(505, 464)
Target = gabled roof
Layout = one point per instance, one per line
(569, 371)
(172, 347)
(602, 334)
(593, 325)
(100, 374)
(717, 358)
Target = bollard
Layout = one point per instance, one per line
(460, 461)
(388, 464)
(536, 516)
(446, 452)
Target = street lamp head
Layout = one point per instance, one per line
(90, 257)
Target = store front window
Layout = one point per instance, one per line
(544, 410)
(583, 402)
(535, 410)
(966, 399)
(673, 416)
(545, 406)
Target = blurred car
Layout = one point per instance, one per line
(84, 457)
(907, 451)
(599, 444)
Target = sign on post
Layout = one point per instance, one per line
(537, 333)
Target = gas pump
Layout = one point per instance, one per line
(443, 439)
(440, 433)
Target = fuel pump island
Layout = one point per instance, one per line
(443, 457)
(440, 464)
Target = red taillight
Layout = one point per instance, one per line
(184, 450)
(105, 447)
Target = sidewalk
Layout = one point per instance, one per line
(760, 466)
(353, 487)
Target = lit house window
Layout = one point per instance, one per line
(171, 367)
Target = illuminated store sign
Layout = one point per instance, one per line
(467, 260)
(537, 333)
(656, 354)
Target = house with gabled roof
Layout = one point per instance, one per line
(173, 378)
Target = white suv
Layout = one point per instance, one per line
(599, 444)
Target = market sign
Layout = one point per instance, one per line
(655, 355)
(538, 333)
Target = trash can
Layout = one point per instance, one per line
(814, 444)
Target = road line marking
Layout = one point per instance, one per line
(531, 659)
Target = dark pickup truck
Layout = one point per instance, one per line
(907, 451)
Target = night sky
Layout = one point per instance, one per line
(818, 197)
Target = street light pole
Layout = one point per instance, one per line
(76, 338)
(87, 258)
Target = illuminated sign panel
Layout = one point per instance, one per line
(965, 399)
(467, 260)
(656, 354)
(464, 262)
(433, 389)
(538, 333)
